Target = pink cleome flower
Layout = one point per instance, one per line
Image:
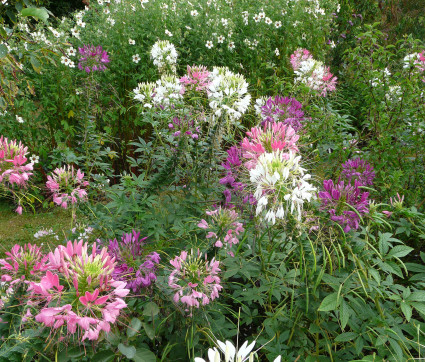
(195, 281)
(14, 168)
(299, 56)
(78, 291)
(66, 186)
(197, 78)
(93, 58)
(272, 137)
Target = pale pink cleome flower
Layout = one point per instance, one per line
(93, 58)
(272, 137)
(14, 169)
(78, 291)
(195, 281)
(67, 186)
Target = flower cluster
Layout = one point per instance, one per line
(78, 292)
(184, 127)
(66, 186)
(168, 92)
(144, 93)
(14, 168)
(345, 203)
(164, 56)
(360, 170)
(283, 109)
(133, 266)
(223, 227)
(22, 263)
(415, 61)
(195, 281)
(281, 186)
(93, 58)
(228, 94)
(197, 78)
(312, 72)
(271, 137)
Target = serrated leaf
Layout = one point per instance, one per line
(144, 355)
(407, 310)
(418, 296)
(344, 314)
(150, 309)
(134, 327)
(37, 13)
(330, 302)
(128, 351)
(399, 251)
(420, 307)
(345, 337)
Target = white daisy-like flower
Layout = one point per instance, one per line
(71, 52)
(194, 13)
(224, 22)
(268, 21)
(278, 24)
(209, 44)
(276, 51)
(131, 41)
(136, 58)
(256, 18)
(81, 23)
(231, 45)
(19, 119)
(169, 33)
(220, 39)
(262, 15)
(34, 159)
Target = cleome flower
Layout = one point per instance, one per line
(312, 72)
(144, 93)
(344, 203)
(224, 227)
(93, 58)
(281, 186)
(360, 170)
(133, 266)
(164, 56)
(272, 137)
(228, 94)
(197, 78)
(14, 169)
(66, 186)
(194, 281)
(283, 109)
(23, 263)
(78, 292)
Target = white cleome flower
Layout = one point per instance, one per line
(164, 56)
(281, 186)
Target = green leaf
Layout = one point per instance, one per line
(399, 251)
(37, 13)
(3, 51)
(103, 356)
(149, 330)
(397, 349)
(113, 339)
(345, 337)
(75, 352)
(407, 310)
(144, 355)
(151, 309)
(134, 327)
(420, 307)
(418, 296)
(331, 302)
(344, 313)
(128, 351)
(35, 64)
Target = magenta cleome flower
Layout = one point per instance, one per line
(283, 109)
(360, 170)
(195, 281)
(184, 128)
(340, 200)
(67, 186)
(93, 58)
(133, 266)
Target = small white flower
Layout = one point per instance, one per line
(136, 58)
(231, 45)
(276, 51)
(131, 41)
(167, 32)
(224, 22)
(256, 18)
(262, 15)
(220, 39)
(194, 13)
(19, 119)
(209, 44)
(278, 24)
(81, 23)
(268, 21)
(71, 52)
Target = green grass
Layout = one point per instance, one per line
(20, 229)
